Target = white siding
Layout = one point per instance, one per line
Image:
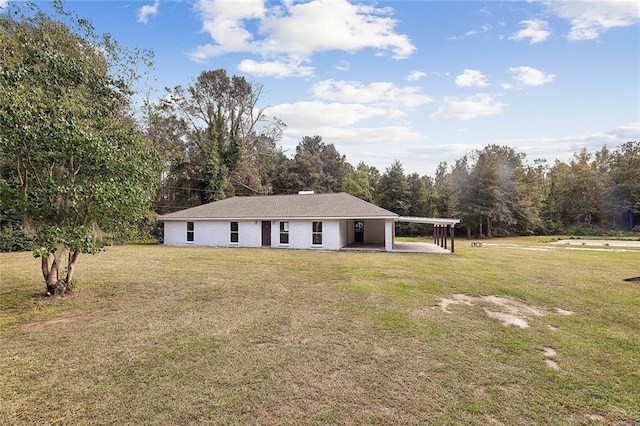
(213, 233)
(217, 233)
(342, 233)
(175, 233)
(301, 234)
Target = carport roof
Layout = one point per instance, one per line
(300, 206)
(429, 220)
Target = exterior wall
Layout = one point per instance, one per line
(374, 231)
(175, 233)
(217, 233)
(301, 233)
(212, 233)
(342, 233)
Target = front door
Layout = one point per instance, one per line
(266, 233)
(358, 228)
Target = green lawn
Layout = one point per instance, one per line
(161, 335)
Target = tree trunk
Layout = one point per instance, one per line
(73, 258)
(488, 227)
(51, 274)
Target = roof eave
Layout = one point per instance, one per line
(196, 219)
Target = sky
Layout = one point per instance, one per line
(420, 82)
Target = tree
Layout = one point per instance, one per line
(460, 190)
(441, 187)
(531, 190)
(80, 167)
(357, 183)
(316, 166)
(262, 156)
(218, 114)
(625, 174)
(394, 190)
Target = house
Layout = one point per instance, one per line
(302, 221)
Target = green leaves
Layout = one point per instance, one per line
(74, 165)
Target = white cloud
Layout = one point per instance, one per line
(378, 93)
(343, 66)
(225, 21)
(473, 106)
(3, 3)
(274, 69)
(295, 30)
(416, 75)
(471, 78)
(470, 33)
(530, 76)
(627, 133)
(147, 10)
(315, 114)
(534, 29)
(363, 135)
(563, 148)
(589, 19)
(485, 28)
(343, 123)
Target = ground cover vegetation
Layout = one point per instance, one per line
(166, 335)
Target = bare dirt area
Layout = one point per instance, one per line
(509, 312)
(506, 310)
(599, 243)
(616, 246)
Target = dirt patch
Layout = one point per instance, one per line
(42, 324)
(548, 354)
(507, 319)
(562, 312)
(509, 312)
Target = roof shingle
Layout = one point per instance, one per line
(338, 205)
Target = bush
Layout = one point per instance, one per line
(14, 239)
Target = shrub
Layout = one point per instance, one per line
(14, 239)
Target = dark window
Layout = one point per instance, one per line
(234, 232)
(284, 232)
(190, 232)
(317, 233)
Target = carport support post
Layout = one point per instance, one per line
(389, 229)
(444, 236)
(452, 233)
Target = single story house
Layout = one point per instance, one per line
(302, 221)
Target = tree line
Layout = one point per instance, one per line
(216, 144)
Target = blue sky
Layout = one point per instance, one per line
(416, 81)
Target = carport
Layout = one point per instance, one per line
(443, 229)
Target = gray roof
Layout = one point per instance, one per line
(306, 206)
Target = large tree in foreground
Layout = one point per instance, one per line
(75, 165)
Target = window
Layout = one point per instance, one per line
(190, 232)
(284, 232)
(233, 237)
(317, 234)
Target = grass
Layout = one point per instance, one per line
(161, 335)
